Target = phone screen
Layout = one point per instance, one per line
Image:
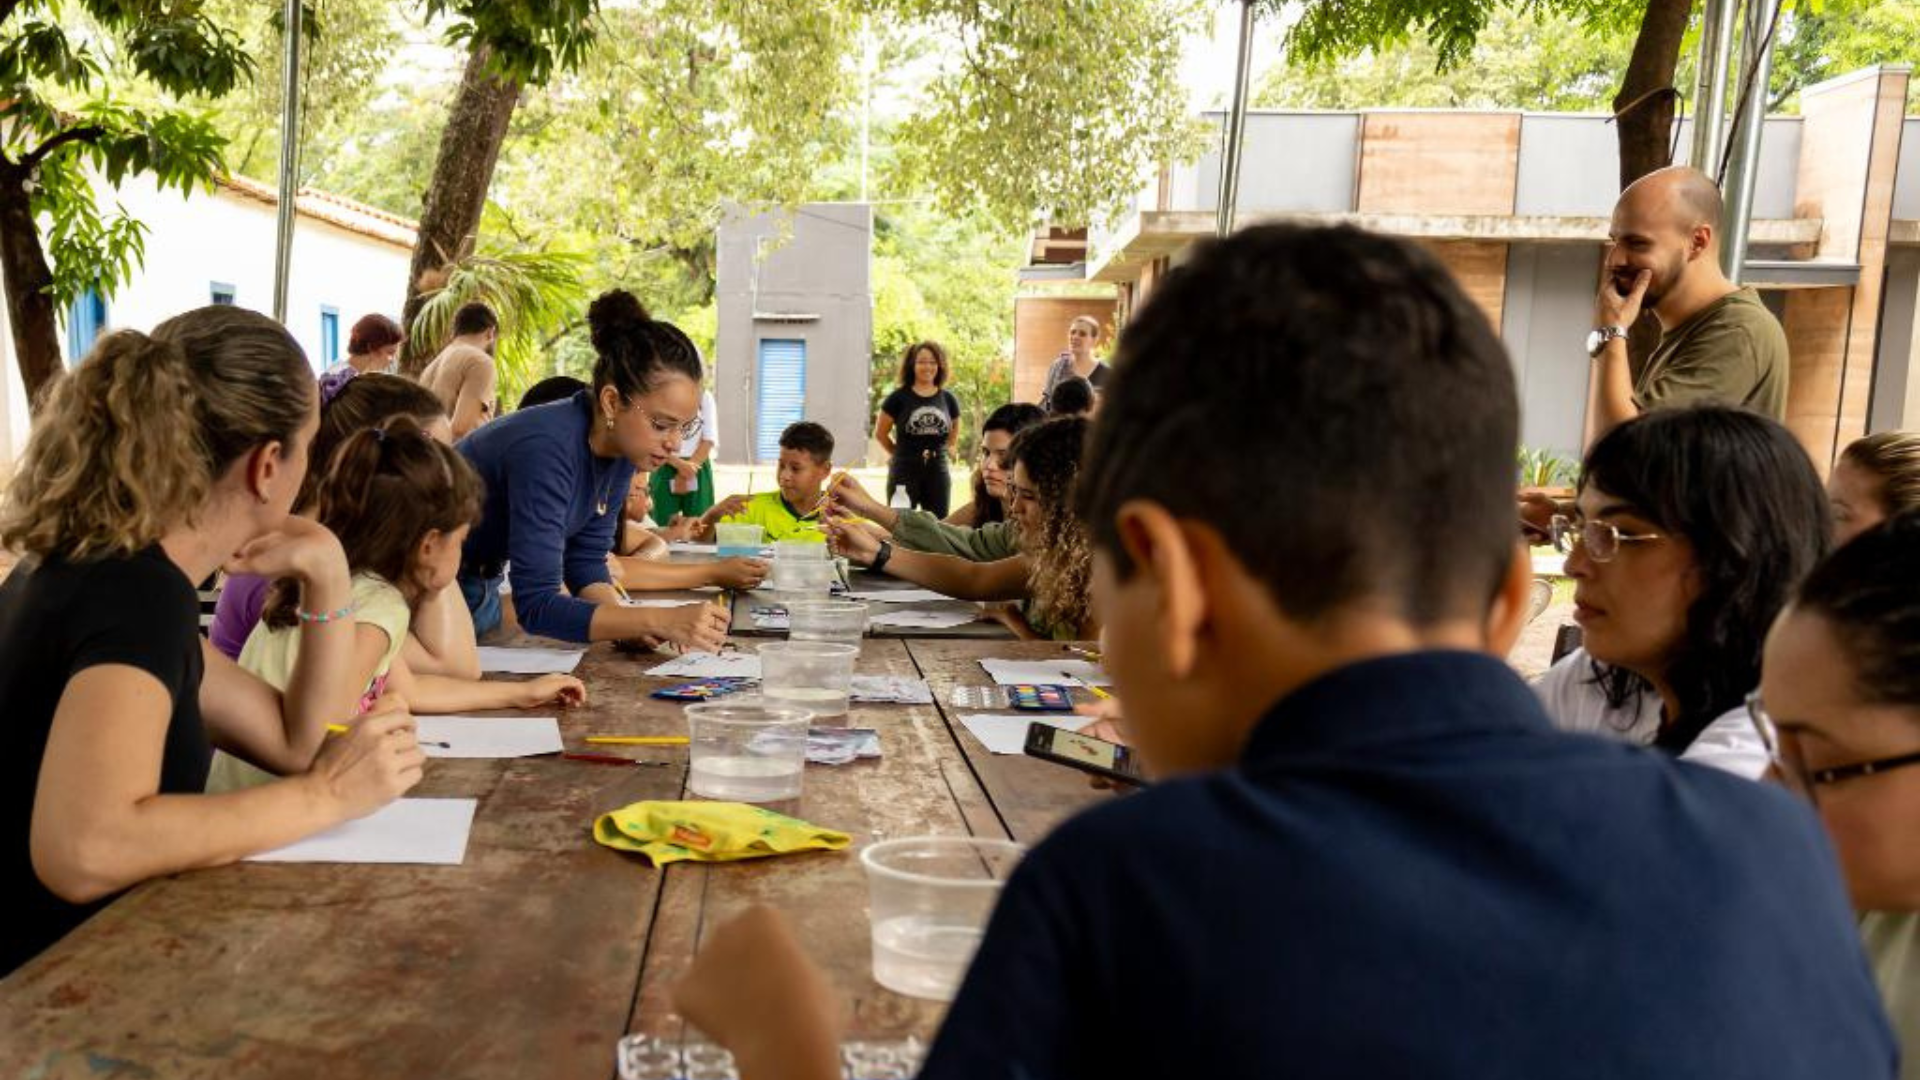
(1086, 748)
(1083, 752)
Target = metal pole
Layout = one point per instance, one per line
(289, 160)
(1710, 85)
(1743, 166)
(1236, 127)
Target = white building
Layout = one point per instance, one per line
(349, 260)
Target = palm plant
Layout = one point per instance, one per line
(537, 296)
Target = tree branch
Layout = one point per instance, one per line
(87, 133)
(6, 8)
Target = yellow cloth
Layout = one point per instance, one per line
(667, 832)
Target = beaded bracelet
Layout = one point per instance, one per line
(317, 617)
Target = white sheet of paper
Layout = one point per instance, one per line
(923, 620)
(1008, 734)
(428, 832)
(658, 602)
(489, 736)
(529, 661)
(1043, 672)
(898, 596)
(701, 665)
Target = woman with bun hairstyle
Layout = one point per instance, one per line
(157, 460)
(557, 479)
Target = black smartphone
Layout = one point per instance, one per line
(1084, 752)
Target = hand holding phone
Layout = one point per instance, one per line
(1084, 752)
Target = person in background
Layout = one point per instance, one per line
(1073, 397)
(683, 487)
(1047, 575)
(549, 390)
(1077, 361)
(373, 345)
(981, 530)
(1840, 695)
(401, 503)
(1689, 530)
(794, 511)
(441, 639)
(1368, 852)
(556, 477)
(463, 376)
(1876, 477)
(156, 460)
(919, 425)
(1718, 342)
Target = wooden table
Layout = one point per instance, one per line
(977, 630)
(537, 954)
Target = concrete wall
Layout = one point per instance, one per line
(1290, 162)
(1549, 303)
(1895, 405)
(224, 237)
(774, 270)
(1906, 188)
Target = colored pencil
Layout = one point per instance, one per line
(637, 740)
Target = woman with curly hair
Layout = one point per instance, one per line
(1050, 573)
(1691, 529)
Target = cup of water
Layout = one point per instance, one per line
(746, 751)
(843, 621)
(799, 551)
(737, 539)
(811, 675)
(930, 899)
(809, 577)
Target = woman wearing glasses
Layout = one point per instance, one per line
(556, 481)
(1689, 530)
(1841, 697)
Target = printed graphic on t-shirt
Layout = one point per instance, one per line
(929, 420)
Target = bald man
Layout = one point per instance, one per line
(1718, 343)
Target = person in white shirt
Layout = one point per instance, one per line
(683, 487)
(1691, 528)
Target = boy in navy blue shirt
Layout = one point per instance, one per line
(1372, 855)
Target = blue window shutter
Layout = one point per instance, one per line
(85, 321)
(221, 292)
(329, 336)
(780, 392)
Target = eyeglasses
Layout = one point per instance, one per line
(669, 426)
(1790, 764)
(1602, 539)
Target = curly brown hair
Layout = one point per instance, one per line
(1062, 553)
(907, 358)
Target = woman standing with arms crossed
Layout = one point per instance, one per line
(155, 462)
(919, 425)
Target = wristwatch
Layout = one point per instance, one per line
(880, 557)
(1597, 340)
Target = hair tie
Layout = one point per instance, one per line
(335, 381)
(380, 435)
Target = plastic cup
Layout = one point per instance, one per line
(799, 550)
(930, 899)
(811, 675)
(843, 621)
(737, 539)
(806, 577)
(746, 751)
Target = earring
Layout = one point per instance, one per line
(609, 423)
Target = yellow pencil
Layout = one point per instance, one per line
(1099, 693)
(338, 729)
(621, 590)
(637, 740)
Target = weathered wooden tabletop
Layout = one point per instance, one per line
(533, 957)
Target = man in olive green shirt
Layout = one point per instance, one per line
(1718, 343)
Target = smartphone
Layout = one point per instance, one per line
(1084, 752)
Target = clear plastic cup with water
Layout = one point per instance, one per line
(746, 750)
(737, 539)
(843, 621)
(808, 577)
(812, 675)
(930, 899)
(799, 551)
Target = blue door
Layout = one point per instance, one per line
(329, 336)
(85, 320)
(780, 392)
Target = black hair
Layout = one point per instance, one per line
(635, 350)
(474, 318)
(1072, 397)
(907, 358)
(1012, 418)
(809, 438)
(551, 389)
(1741, 491)
(1869, 593)
(1344, 415)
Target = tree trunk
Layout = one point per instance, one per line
(23, 266)
(469, 149)
(1644, 107)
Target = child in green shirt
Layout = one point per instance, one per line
(794, 511)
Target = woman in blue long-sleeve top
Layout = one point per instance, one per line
(557, 477)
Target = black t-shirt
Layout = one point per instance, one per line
(920, 423)
(56, 620)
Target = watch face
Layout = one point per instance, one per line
(1594, 342)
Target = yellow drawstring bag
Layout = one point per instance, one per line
(668, 832)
